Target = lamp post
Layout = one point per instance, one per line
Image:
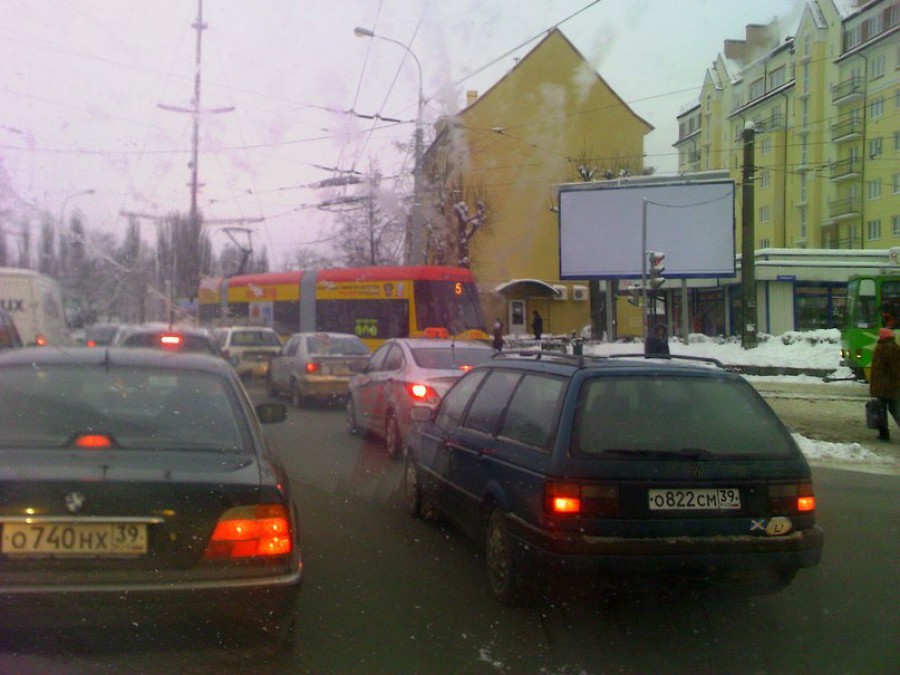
(415, 239)
(62, 207)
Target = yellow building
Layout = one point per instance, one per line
(825, 105)
(551, 119)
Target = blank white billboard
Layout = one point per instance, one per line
(601, 225)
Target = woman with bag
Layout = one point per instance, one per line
(884, 380)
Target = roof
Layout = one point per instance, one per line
(527, 286)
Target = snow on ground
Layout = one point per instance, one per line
(812, 349)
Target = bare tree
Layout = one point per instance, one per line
(371, 228)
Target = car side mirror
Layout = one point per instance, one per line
(271, 413)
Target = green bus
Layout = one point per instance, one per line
(873, 302)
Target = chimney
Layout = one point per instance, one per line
(736, 50)
(471, 95)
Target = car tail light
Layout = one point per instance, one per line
(312, 368)
(792, 498)
(40, 340)
(465, 368)
(170, 340)
(592, 500)
(93, 441)
(251, 532)
(422, 393)
(91, 343)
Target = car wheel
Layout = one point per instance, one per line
(392, 439)
(296, 396)
(352, 427)
(412, 490)
(502, 571)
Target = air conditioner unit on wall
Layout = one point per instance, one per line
(579, 293)
(562, 292)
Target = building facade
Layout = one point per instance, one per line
(825, 106)
(492, 173)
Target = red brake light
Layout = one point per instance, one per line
(169, 340)
(93, 441)
(312, 368)
(40, 340)
(465, 368)
(91, 343)
(251, 532)
(792, 498)
(437, 333)
(562, 498)
(422, 393)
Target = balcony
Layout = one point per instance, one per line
(847, 130)
(774, 122)
(848, 90)
(846, 169)
(843, 209)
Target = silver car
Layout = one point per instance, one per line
(316, 365)
(249, 348)
(402, 373)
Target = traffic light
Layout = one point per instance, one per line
(634, 294)
(655, 260)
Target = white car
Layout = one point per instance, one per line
(407, 372)
(249, 348)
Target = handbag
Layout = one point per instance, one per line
(874, 414)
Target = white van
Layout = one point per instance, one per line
(35, 303)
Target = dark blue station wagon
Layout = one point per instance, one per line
(566, 464)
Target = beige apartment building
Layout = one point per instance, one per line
(824, 100)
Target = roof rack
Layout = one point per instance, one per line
(672, 357)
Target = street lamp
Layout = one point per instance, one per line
(415, 240)
(62, 208)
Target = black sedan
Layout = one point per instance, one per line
(136, 482)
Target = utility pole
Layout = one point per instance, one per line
(748, 253)
(195, 110)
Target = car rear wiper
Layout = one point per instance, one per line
(683, 453)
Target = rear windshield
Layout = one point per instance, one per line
(337, 346)
(255, 338)
(136, 408)
(450, 358)
(623, 416)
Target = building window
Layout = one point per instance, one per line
(873, 189)
(875, 147)
(806, 77)
(804, 112)
(764, 179)
(873, 229)
(872, 27)
(764, 243)
(895, 183)
(852, 37)
(757, 89)
(876, 108)
(895, 225)
(765, 147)
(803, 188)
(764, 214)
(876, 67)
(804, 151)
(777, 77)
(897, 141)
(802, 217)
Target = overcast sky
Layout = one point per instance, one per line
(82, 82)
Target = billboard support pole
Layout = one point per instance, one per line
(748, 269)
(644, 271)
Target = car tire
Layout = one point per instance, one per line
(417, 504)
(393, 441)
(352, 426)
(502, 569)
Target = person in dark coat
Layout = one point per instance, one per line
(537, 325)
(884, 379)
(657, 343)
(497, 332)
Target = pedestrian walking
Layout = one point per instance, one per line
(497, 332)
(884, 380)
(657, 343)
(537, 324)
